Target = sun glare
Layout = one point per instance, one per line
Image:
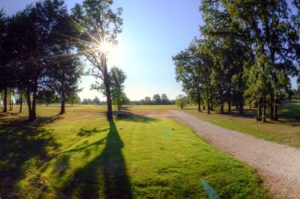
(113, 52)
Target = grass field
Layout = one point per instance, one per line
(285, 131)
(81, 155)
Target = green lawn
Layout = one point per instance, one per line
(81, 155)
(285, 131)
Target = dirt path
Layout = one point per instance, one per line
(279, 165)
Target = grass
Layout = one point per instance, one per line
(81, 155)
(285, 131)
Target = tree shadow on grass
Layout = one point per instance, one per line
(21, 142)
(105, 176)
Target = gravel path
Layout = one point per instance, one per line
(279, 165)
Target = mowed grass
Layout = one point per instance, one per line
(81, 155)
(285, 131)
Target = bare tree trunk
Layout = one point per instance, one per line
(241, 104)
(21, 102)
(10, 100)
(28, 98)
(222, 107)
(207, 101)
(272, 104)
(264, 115)
(5, 100)
(62, 105)
(106, 79)
(275, 111)
(259, 111)
(33, 106)
(199, 99)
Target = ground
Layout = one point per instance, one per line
(81, 155)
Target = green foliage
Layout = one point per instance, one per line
(247, 53)
(182, 101)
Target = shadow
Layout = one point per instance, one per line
(8, 114)
(105, 176)
(133, 117)
(23, 145)
(90, 132)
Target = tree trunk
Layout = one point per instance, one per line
(275, 111)
(264, 115)
(259, 112)
(109, 113)
(5, 100)
(199, 99)
(241, 104)
(62, 105)
(21, 102)
(229, 106)
(33, 106)
(28, 98)
(10, 100)
(207, 101)
(222, 107)
(272, 104)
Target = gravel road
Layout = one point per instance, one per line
(279, 165)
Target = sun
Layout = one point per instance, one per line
(113, 51)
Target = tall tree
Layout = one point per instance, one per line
(99, 26)
(4, 59)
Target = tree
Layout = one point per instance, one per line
(31, 31)
(118, 78)
(182, 101)
(164, 99)
(193, 69)
(156, 99)
(65, 67)
(47, 97)
(5, 69)
(74, 98)
(96, 101)
(148, 101)
(268, 26)
(99, 26)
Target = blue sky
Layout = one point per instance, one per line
(153, 32)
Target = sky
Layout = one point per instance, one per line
(153, 32)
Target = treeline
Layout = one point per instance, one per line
(42, 47)
(246, 54)
(156, 100)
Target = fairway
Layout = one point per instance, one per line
(81, 155)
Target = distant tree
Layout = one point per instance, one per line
(74, 98)
(96, 101)
(118, 78)
(148, 101)
(47, 97)
(165, 99)
(182, 101)
(156, 99)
